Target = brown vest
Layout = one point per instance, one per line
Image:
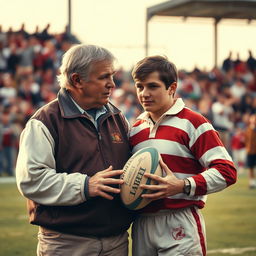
(79, 147)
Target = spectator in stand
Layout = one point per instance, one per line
(254, 105)
(250, 142)
(251, 62)
(228, 63)
(205, 106)
(7, 142)
(49, 55)
(238, 89)
(3, 37)
(252, 84)
(221, 117)
(3, 58)
(23, 32)
(238, 147)
(245, 104)
(189, 87)
(45, 35)
(29, 90)
(13, 59)
(26, 57)
(36, 33)
(8, 90)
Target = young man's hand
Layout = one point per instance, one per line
(167, 186)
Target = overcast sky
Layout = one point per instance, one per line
(119, 25)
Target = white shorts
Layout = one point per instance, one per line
(169, 233)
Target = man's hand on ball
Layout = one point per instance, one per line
(167, 186)
(100, 183)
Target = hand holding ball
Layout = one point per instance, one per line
(145, 160)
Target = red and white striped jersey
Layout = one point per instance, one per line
(191, 148)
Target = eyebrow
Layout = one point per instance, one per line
(107, 74)
(152, 83)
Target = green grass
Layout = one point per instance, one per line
(17, 236)
(230, 218)
(230, 221)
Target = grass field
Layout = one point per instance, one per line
(230, 222)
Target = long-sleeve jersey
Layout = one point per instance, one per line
(191, 148)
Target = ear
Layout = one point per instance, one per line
(172, 88)
(76, 81)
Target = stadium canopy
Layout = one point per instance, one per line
(216, 9)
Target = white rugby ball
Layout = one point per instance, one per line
(145, 160)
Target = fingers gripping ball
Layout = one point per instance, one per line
(143, 161)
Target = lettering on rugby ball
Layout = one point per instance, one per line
(145, 160)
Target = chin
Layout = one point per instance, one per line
(104, 103)
(148, 108)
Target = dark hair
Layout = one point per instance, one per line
(166, 69)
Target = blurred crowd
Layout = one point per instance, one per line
(29, 64)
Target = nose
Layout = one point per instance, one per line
(111, 83)
(145, 93)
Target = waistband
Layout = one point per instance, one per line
(166, 212)
(47, 230)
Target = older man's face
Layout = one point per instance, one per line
(97, 89)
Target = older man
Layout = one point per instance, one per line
(71, 153)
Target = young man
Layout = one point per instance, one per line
(194, 160)
(71, 153)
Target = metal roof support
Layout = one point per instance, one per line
(216, 21)
(69, 16)
(146, 37)
(148, 17)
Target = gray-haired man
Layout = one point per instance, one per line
(71, 153)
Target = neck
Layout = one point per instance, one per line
(84, 103)
(157, 115)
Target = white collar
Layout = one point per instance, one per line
(99, 112)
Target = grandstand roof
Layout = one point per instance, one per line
(217, 9)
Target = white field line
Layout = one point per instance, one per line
(233, 251)
(7, 180)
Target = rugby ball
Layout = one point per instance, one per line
(145, 160)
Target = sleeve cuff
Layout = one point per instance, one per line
(86, 187)
(193, 186)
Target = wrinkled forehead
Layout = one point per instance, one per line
(102, 66)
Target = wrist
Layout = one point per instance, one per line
(186, 187)
(86, 187)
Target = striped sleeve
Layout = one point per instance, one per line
(220, 171)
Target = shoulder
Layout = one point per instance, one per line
(50, 116)
(48, 110)
(112, 108)
(195, 118)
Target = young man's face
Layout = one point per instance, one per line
(153, 95)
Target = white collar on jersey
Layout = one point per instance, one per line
(173, 110)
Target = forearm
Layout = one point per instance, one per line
(213, 180)
(51, 188)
